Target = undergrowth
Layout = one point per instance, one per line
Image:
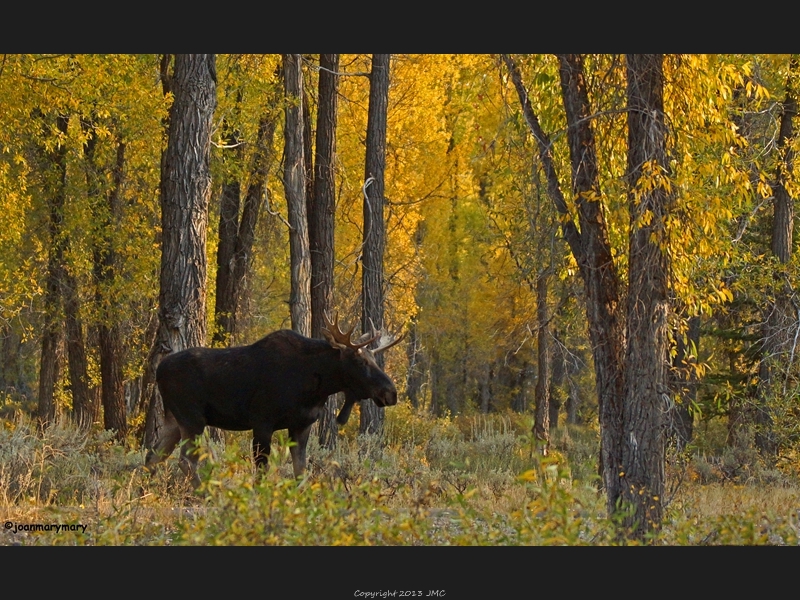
(467, 481)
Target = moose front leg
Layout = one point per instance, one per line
(298, 450)
(344, 413)
(262, 438)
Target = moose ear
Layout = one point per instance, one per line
(332, 340)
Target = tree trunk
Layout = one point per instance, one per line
(541, 421)
(185, 190)
(237, 233)
(52, 335)
(84, 404)
(230, 199)
(104, 257)
(646, 388)
(592, 251)
(294, 182)
(372, 300)
(557, 375)
(321, 210)
(601, 281)
(684, 384)
(485, 388)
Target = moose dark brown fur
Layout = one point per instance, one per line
(280, 382)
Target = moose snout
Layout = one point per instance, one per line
(387, 397)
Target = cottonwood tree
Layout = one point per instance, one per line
(185, 192)
(630, 378)
(589, 243)
(645, 369)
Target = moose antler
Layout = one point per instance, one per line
(342, 340)
(385, 341)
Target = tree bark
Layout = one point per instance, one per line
(372, 292)
(185, 190)
(646, 391)
(321, 210)
(229, 205)
(294, 181)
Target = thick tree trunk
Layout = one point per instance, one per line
(321, 209)
(372, 300)
(294, 182)
(646, 389)
(185, 190)
(541, 421)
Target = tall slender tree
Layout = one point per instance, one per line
(52, 336)
(541, 422)
(780, 314)
(237, 227)
(591, 247)
(294, 182)
(629, 344)
(321, 206)
(107, 213)
(372, 290)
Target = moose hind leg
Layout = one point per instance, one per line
(189, 454)
(298, 450)
(169, 436)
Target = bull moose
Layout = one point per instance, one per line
(279, 382)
